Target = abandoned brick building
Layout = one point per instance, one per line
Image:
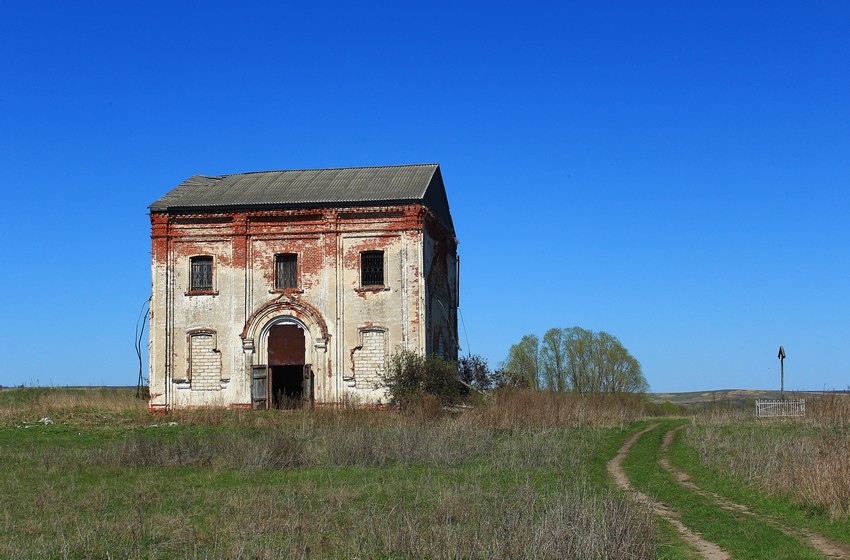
(282, 288)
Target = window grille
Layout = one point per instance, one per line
(286, 271)
(201, 277)
(372, 268)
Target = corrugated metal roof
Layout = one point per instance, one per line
(357, 185)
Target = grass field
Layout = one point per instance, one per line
(104, 479)
(89, 474)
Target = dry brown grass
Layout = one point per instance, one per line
(32, 404)
(519, 408)
(805, 458)
(255, 441)
(832, 409)
(506, 409)
(822, 409)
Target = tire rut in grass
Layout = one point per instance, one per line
(823, 544)
(708, 549)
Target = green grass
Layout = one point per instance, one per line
(365, 485)
(741, 535)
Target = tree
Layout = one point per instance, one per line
(552, 361)
(576, 359)
(616, 371)
(580, 344)
(521, 367)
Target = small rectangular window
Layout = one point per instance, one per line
(285, 271)
(201, 275)
(372, 268)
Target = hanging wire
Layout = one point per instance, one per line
(465, 335)
(140, 331)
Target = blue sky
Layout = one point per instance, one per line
(674, 173)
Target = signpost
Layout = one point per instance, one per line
(767, 408)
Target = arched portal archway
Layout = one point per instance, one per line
(286, 346)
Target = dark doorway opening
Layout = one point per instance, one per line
(286, 366)
(287, 386)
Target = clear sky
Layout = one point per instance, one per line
(674, 173)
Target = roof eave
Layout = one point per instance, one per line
(282, 206)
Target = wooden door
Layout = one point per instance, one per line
(286, 345)
(308, 386)
(260, 387)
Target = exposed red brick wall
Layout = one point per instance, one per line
(192, 229)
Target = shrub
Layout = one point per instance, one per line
(412, 376)
(665, 408)
(475, 372)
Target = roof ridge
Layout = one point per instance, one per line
(328, 169)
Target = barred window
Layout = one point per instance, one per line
(201, 274)
(285, 271)
(372, 268)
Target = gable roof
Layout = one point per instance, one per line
(354, 186)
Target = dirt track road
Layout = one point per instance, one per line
(708, 549)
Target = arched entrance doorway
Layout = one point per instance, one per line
(281, 340)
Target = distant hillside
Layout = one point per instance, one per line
(725, 395)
